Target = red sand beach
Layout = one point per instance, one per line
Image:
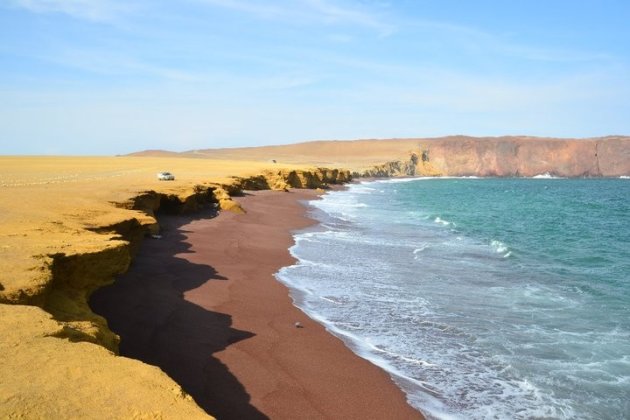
(202, 303)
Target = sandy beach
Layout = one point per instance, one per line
(202, 304)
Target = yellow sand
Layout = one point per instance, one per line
(45, 377)
(47, 202)
(46, 205)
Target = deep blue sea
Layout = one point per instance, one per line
(483, 298)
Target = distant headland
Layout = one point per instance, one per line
(506, 156)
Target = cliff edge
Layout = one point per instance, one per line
(68, 228)
(507, 156)
(510, 157)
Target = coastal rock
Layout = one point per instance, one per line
(510, 157)
(613, 157)
(68, 235)
(253, 183)
(75, 277)
(45, 376)
(225, 201)
(394, 168)
(283, 179)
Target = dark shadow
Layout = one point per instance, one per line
(146, 308)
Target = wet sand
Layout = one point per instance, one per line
(202, 304)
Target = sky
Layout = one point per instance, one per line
(104, 77)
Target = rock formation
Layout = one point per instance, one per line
(511, 157)
(45, 376)
(48, 325)
(448, 156)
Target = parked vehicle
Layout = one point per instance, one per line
(165, 176)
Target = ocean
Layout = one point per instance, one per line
(483, 298)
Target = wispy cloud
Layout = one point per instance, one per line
(325, 12)
(241, 72)
(122, 66)
(110, 63)
(93, 10)
(116, 64)
(479, 42)
(260, 9)
(333, 12)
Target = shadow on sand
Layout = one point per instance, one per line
(145, 306)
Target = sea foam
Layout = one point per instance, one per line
(465, 331)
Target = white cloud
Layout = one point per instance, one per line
(333, 12)
(93, 10)
(116, 64)
(476, 42)
(324, 12)
(261, 9)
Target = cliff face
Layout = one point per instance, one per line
(453, 155)
(45, 376)
(283, 179)
(512, 157)
(64, 281)
(50, 330)
(614, 156)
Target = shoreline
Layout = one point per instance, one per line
(58, 251)
(202, 303)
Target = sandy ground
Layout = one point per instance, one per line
(46, 203)
(202, 304)
(54, 206)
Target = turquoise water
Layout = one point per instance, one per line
(484, 298)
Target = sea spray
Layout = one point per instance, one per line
(483, 298)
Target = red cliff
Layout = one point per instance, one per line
(523, 156)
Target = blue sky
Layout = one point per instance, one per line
(114, 76)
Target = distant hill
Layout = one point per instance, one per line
(154, 153)
(452, 155)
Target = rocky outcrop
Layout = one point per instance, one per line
(74, 276)
(393, 168)
(613, 156)
(46, 305)
(283, 179)
(69, 278)
(389, 169)
(225, 202)
(511, 157)
(77, 380)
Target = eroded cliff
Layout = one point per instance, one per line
(46, 317)
(510, 157)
